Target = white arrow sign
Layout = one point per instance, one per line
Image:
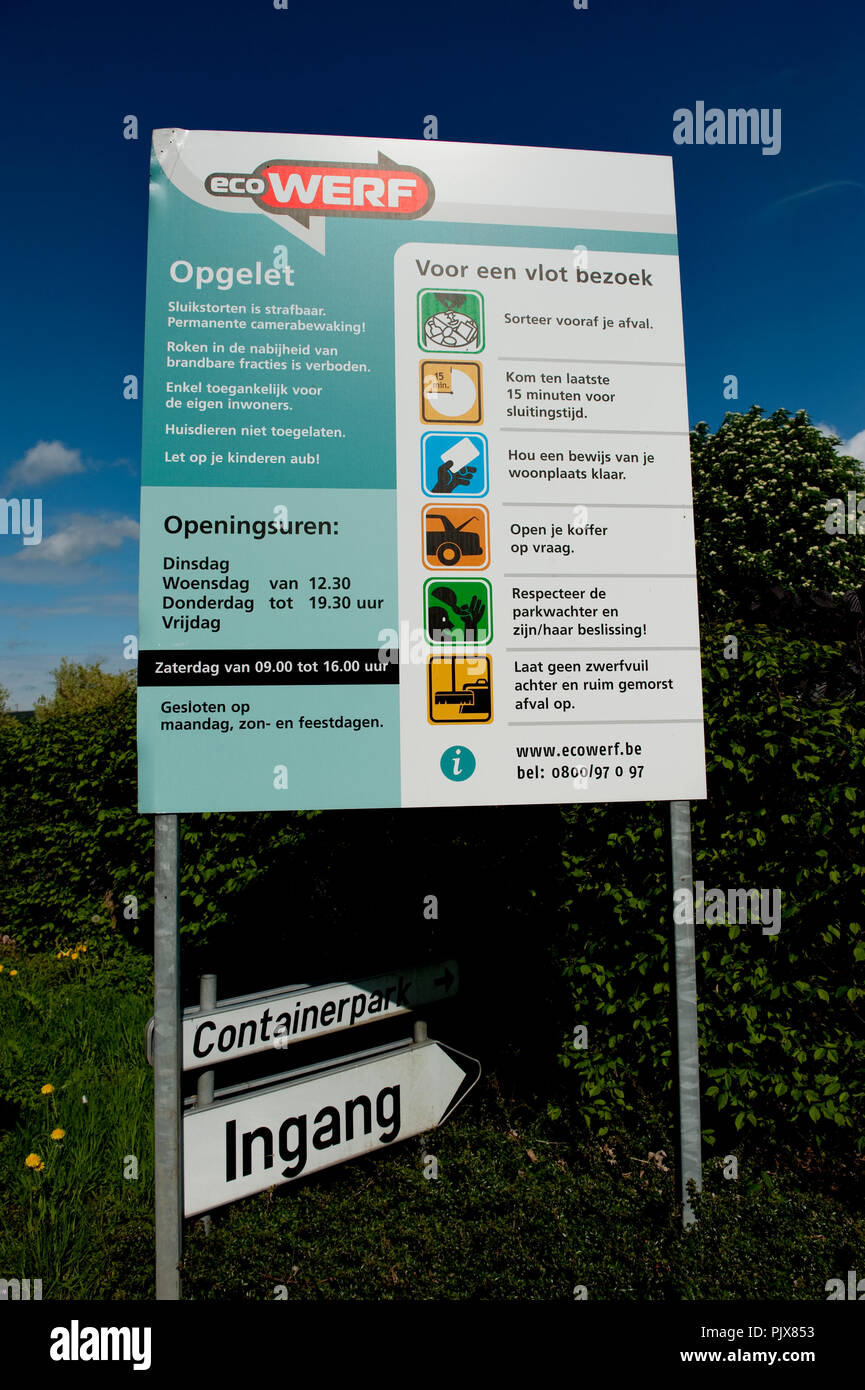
(241, 1026)
(317, 1117)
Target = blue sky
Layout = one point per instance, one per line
(770, 245)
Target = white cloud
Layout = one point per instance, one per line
(855, 446)
(63, 557)
(47, 459)
(82, 537)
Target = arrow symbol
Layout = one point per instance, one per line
(446, 979)
(425, 1082)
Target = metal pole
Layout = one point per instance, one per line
(206, 1079)
(689, 1160)
(166, 1061)
(420, 1034)
(206, 1005)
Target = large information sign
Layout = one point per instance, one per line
(416, 518)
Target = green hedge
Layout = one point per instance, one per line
(74, 847)
(780, 1016)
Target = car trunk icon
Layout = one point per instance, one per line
(452, 542)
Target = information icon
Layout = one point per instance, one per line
(457, 763)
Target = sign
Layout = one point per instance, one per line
(255, 1022)
(415, 456)
(317, 1117)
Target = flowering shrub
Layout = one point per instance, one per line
(760, 491)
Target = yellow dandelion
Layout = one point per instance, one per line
(74, 955)
(13, 972)
(84, 948)
(47, 1089)
(59, 954)
(1, 969)
(34, 1161)
(58, 1133)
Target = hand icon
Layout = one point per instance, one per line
(472, 614)
(446, 481)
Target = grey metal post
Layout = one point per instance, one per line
(206, 1079)
(689, 1159)
(168, 1171)
(420, 1034)
(206, 1004)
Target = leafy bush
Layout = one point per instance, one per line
(79, 687)
(74, 846)
(779, 1016)
(760, 489)
(526, 1213)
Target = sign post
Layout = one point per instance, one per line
(416, 511)
(689, 1163)
(416, 508)
(224, 1030)
(206, 1079)
(168, 1165)
(232, 1028)
(252, 1138)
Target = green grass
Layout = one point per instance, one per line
(523, 1208)
(498, 1224)
(77, 1026)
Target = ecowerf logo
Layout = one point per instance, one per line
(303, 188)
(77, 1343)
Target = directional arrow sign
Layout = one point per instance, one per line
(256, 1022)
(317, 1117)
